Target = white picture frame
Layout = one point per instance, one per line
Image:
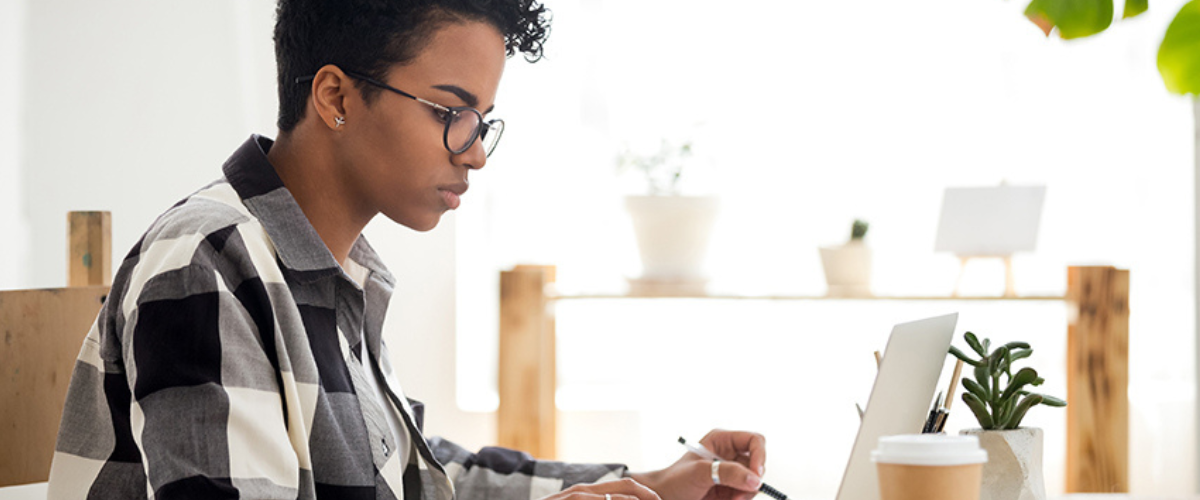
(993, 221)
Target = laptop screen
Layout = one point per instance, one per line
(900, 399)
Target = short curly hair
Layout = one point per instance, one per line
(370, 36)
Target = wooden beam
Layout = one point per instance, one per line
(41, 332)
(90, 237)
(527, 416)
(1097, 381)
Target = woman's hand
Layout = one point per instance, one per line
(744, 457)
(624, 489)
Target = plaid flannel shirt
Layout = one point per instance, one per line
(225, 363)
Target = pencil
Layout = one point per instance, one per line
(953, 384)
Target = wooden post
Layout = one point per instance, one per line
(1097, 381)
(90, 240)
(527, 416)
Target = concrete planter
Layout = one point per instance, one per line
(1014, 467)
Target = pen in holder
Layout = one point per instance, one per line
(934, 413)
(940, 413)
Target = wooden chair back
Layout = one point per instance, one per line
(41, 332)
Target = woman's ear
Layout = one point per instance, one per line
(329, 88)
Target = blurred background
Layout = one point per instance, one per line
(803, 116)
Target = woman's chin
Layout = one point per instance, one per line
(422, 223)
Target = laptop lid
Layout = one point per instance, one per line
(900, 398)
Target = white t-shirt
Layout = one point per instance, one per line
(359, 274)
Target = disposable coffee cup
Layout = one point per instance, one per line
(929, 467)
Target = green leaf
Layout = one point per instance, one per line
(981, 414)
(1179, 54)
(1135, 7)
(978, 390)
(974, 343)
(960, 355)
(1073, 18)
(1006, 410)
(1021, 354)
(1014, 420)
(1024, 377)
(1052, 401)
(982, 374)
(1012, 346)
(996, 361)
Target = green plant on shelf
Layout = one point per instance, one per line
(858, 231)
(662, 169)
(996, 395)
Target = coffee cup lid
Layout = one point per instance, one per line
(929, 449)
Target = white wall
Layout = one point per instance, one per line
(129, 106)
(13, 230)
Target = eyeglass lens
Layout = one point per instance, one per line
(464, 128)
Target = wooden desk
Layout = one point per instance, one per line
(1122, 496)
(37, 491)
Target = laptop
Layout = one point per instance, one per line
(901, 397)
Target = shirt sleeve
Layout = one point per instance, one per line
(207, 409)
(193, 394)
(506, 474)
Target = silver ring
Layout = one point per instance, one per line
(716, 469)
(607, 496)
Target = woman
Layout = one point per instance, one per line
(240, 352)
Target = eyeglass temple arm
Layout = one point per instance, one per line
(380, 84)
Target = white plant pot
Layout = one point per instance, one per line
(673, 233)
(847, 269)
(1014, 467)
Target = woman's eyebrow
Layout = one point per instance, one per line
(463, 94)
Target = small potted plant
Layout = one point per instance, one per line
(1000, 400)
(672, 230)
(848, 266)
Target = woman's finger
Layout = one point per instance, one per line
(579, 495)
(750, 448)
(736, 476)
(622, 487)
(757, 447)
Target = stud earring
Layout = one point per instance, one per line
(339, 121)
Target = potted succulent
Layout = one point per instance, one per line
(672, 230)
(1000, 400)
(848, 266)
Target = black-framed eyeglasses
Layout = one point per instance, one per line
(464, 124)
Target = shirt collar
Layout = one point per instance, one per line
(297, 243)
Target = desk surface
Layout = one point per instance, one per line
(37, 491)
(1111, 496)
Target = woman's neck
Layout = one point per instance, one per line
(309, 172)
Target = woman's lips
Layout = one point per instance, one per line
(452, 199)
